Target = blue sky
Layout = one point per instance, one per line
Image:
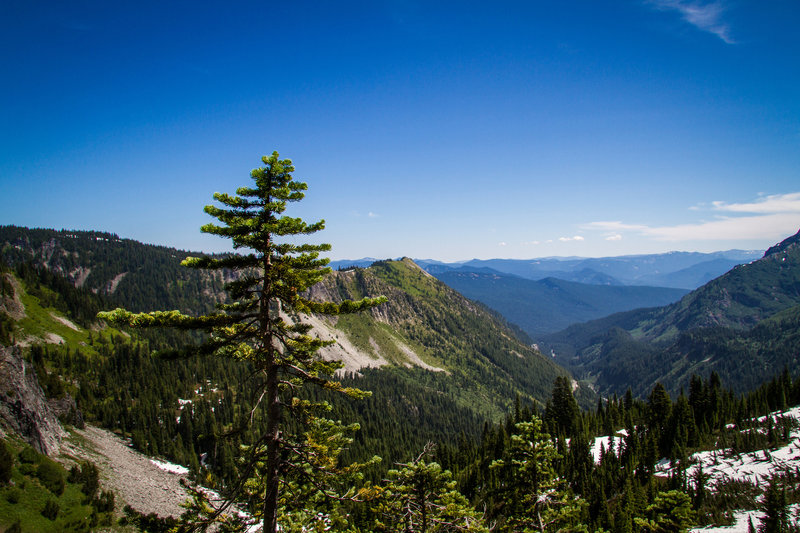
(445, 130)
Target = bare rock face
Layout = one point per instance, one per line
(10, 303)
(66, 410)
(24, 410)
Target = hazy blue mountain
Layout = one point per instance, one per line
(686, 270)
(694, 276)
(551, 304)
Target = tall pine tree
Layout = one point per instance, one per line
(536, 498)
(262, 323)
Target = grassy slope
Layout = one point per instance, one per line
(24, 497)
(485, 364)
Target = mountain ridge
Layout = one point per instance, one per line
(723, 327)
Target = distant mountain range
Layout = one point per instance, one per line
(743, 325)
(679, 270)
(549, 294)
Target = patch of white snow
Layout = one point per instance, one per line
(172, 468)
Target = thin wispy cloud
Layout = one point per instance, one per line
(571, 239)
(766, 218)
(370, 214)
(776, 203)
(705, 16)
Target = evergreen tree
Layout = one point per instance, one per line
(420, 497)
(670, 512)
(262, 322)
(562, 409)
(537, 499)
(659, 410)
(776, 511)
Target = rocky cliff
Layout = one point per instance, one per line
(24, 410)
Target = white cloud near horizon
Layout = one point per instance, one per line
(705, 16)
(769, 217)
(569, 239)
(776, 203)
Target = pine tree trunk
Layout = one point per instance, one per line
(273, 406)
(273, 452)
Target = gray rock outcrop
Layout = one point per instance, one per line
(24, 410)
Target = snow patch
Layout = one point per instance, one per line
(741, 524)
(754, 467)
(742, 521)
(601, 445)
(172, 468)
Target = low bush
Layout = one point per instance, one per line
(51, 510)
(51, 474)
(6, 463)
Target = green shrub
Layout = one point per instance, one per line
(51, 475)
(28, 455)
(88, 476)
(6, 463)
(6, 328)
(105, 502)
(51, 509)
(13, 495)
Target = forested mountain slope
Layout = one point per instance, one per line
(446, 364)
(182, 409)
(425, 324)
(142, 276)
(721, 326)
(739, 299)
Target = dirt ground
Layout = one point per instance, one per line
(132, 476)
